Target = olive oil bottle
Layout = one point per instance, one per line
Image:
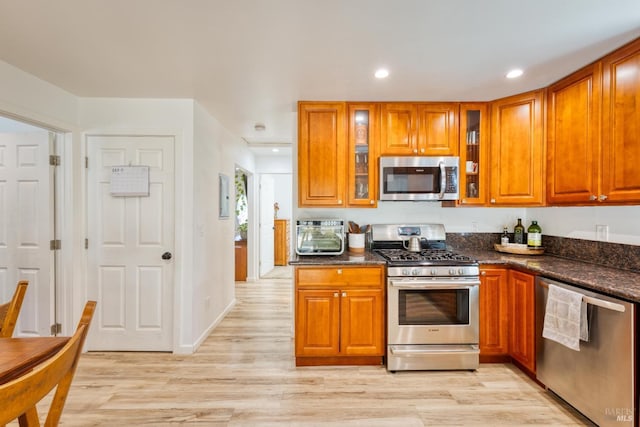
(518, 232)
(534, 235)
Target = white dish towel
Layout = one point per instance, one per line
(565, 318)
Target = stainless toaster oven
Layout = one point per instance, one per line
(320, 236)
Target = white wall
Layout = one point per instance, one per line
(216, 151)
(279, 168)
(580, 222)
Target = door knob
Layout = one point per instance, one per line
(166, 255)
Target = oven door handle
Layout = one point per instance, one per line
(433, 285)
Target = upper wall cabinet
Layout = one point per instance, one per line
(474, 154)
(362, 186)
(573, 138)
(321, 154)
(425, 129)
(517, 150)
(621, 126)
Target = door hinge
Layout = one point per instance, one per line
(54, 245)
(86, 243)
(56, 329)
(54, 160)
(86, 162)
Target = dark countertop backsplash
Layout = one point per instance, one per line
(615, 255)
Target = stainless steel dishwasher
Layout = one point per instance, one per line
(599, 379)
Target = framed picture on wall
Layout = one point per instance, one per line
(223, 186)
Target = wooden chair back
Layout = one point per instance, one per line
(20, 396)
(11, 310)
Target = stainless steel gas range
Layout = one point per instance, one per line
(432, 299)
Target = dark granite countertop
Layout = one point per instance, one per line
(346, 258)
(612, 281)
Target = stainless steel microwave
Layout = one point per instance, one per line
(419, 178)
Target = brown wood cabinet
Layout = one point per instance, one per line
(281, 239)
(474, 148)
(240, 260)
(494, 314)
(522, 320)
(429, 129)
(362, 184)
(621, 125)
(573, 138)
(322, 154)
(339, 315)
(517, 150)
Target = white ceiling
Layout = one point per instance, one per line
(250, 61)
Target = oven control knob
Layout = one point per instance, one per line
(452, 271)
(415, 272)
(406, 271)
(461, 271)
(434, 271)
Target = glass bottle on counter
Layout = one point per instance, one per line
(534, 235)
(518, 232)
(504, 240)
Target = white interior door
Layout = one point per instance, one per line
(128, 236)
(267, 199)
(26, 227)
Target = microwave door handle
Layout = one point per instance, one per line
(443, 180)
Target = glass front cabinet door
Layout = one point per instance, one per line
(474, 148)
(362, 188)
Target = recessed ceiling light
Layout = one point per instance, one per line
(382, 73)
(517, 72)
(275, 150)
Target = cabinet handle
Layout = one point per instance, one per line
(335, 294)
(371, 202)
(415, 150)
(422, 150)
(602, 198)
(493, 200)
(592, 197)
(339, 271)
(344, 294)
(483, 273)
(339, 201)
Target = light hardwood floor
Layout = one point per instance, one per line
(244, 375)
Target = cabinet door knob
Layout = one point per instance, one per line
(339, 201)
(592, 197)
(493, 200)
(371, 202)
(344, 294)
(483, 273)
(602, 197)
(339, 271)
(335, 295)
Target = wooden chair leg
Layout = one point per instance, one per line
(29, 418)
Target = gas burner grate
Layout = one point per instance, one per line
(424, 256)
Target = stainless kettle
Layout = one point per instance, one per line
(413, 244)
